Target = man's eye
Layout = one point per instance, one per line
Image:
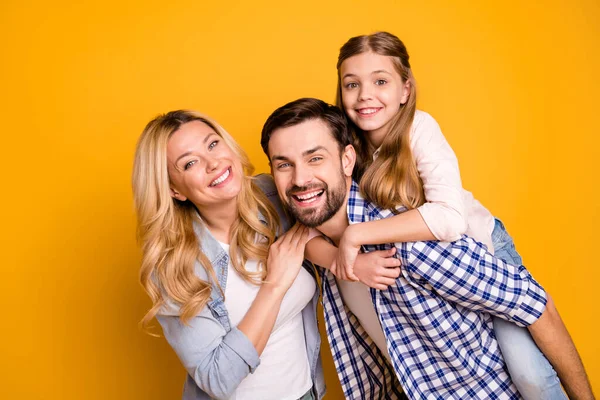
(213, 144)
(189, 164)
(316, 159)
(380, 82)
(283, 165)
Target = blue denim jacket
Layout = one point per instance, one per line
(216, 355)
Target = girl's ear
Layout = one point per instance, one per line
(406, 92)
(348, 160)
(176, 195)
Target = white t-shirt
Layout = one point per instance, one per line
(450, 210)
(284, 370)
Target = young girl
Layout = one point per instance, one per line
(407, 161)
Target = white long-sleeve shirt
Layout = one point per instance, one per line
(450, 210)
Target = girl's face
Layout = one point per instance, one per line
(372, 92)
(202, 168)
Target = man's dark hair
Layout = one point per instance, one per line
(306, 109)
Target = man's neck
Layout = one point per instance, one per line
(334, 227)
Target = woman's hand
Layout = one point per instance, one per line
(285, 258)
(377, 269)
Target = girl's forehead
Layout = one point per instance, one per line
(367, 63)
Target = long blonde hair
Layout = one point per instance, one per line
(392, 179)
(166, 226)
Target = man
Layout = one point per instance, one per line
(436, 318)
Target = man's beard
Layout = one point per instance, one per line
(315, 217)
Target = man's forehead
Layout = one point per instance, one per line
(298, 138)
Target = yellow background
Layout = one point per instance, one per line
(513, 85)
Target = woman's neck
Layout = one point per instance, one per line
(219, 220)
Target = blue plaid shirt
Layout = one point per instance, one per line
(436, 320)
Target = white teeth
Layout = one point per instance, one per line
(309, 196)
(368, 110)
(220, 179)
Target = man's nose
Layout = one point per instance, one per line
(302, 176)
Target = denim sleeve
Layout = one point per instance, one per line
(463, 272)
(217, 360)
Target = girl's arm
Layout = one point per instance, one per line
(443, 217)
(377, 269)
(406, 227)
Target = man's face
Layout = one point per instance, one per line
(310, 171)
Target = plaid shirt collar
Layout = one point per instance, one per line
(436, 319)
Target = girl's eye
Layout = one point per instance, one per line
(213, 144)
(351, 85)
(380, 82)
(189, 164)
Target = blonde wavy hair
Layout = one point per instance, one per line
(391, 180)
(166, 226)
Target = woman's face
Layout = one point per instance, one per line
(202, 168)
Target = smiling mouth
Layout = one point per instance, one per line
(309, 197)
(221, 178)
(367, 112)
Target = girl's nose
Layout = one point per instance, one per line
(365, 93)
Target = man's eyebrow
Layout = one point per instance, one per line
(313, 150)
(305, 153)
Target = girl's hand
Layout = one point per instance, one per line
(346, 256)
(378, 269)
(285, 258)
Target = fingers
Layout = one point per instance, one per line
(386, 282)
(286, 239)
(342, 273)
(390, 262)
(333, 267)
(299, 237)
(390, 273)
(350, 274)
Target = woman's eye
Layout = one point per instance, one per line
(213, 144)
(380, 82)
(189, 164)
(351, 85)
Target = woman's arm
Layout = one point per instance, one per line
(219, 360)
(283, 265)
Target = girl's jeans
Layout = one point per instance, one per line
(530, 371)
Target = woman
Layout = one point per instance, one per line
(236, 305)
